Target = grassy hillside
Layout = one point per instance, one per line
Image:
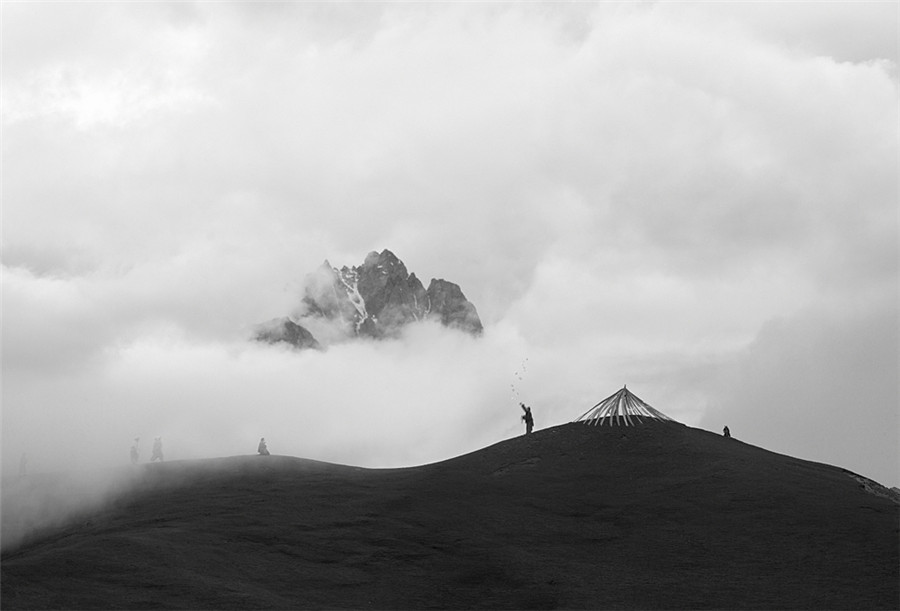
(654, 516)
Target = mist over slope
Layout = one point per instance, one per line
(653, 516)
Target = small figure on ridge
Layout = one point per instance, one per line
(157, 450)
(262, 449)
(726, 432)
(527, 418)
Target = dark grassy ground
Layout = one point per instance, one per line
(654, 516)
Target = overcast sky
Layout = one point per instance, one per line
(699, 200)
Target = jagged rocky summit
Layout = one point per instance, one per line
(286, 330)
(376, 300)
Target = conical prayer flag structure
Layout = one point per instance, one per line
(623, 407)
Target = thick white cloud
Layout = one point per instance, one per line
(628, 193)
(428, 397)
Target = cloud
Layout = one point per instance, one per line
(360, 403)
(821, 385)
(98, 75)
(627, 193)
(824, 30)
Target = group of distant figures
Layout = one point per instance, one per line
(263, 449)
(157, 453)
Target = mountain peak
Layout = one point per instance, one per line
(286, 330)
(378, 299)
(385, 257)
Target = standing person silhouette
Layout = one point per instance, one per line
(157, 450)
(527, 419)
(726, 432)
(262, 449)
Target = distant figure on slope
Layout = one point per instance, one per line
(527, 418)
(726, 432)
(262, 449)
(135, 453)
(157, 450)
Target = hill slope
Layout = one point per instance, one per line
(654, 516)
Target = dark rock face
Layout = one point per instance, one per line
(447, 302)
(286, 330)
(376, 300)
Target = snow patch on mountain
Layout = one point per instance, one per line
(376, 299)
